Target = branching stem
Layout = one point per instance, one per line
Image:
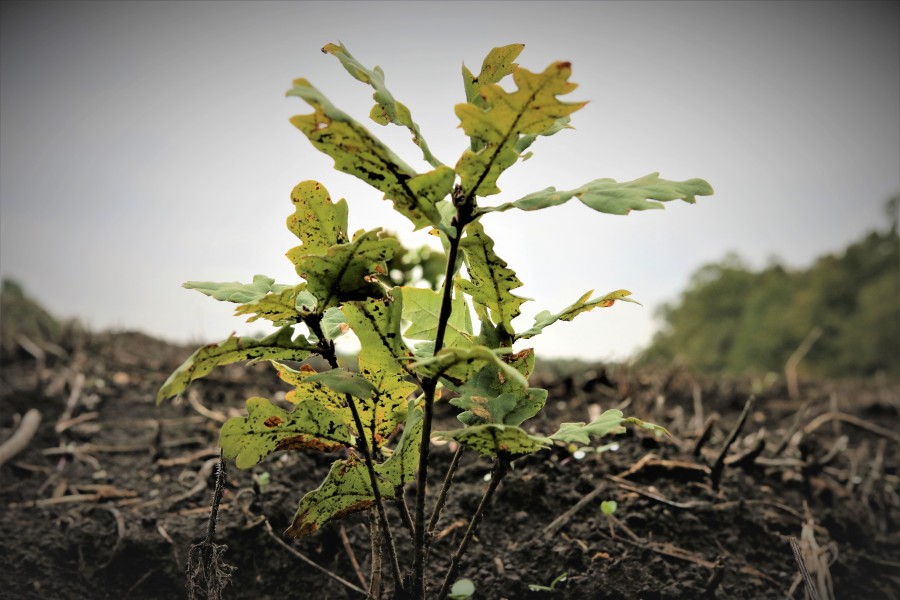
(328, 352)
(497, 473)
(464, 212)
(442, 497)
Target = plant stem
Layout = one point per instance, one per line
(428, 387)
(497, 474)
(442, 497)
(363, 445)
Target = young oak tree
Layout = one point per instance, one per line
(414, 341)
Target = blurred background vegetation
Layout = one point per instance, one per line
(735, 319)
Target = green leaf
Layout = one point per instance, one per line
(609, 196)
(490, 280)
(359, 153)
(387, 109)
(317, 221)
(609, 422)
(545, 318)
(346, 271)
(383, 360)
(496, 65)
(462, 589)
(503, 117)
(526, 141)
(491, 397)
(234, 291)
(461, 363)
(279, 345)
(376, 322)
(267, 429)
(280, 308)
(304, 389)
(509, 408)
(491, 439)
(608, 507)
(344, 382)
(347, 488)
(334, 323)
(422, 307)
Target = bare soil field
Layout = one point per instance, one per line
(109, 495)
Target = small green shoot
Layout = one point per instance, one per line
(462, 589)
(549, 588)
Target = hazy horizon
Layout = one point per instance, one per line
(144, 144)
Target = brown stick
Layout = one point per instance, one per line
(790, 367)
(557, 523)
(719, 465)
(855, 421)
(20, 439)
(349, 550)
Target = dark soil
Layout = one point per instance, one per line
(106, 502)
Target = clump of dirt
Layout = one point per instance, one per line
(110, 494)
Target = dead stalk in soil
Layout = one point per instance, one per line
(23, 435)
(719, 464)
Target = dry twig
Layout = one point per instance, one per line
(20, 439)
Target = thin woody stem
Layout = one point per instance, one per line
(429, 386)
(497, 474)
(363, 445)
(442, 496)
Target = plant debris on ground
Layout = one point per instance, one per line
(107, 498)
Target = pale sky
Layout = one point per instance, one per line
(143, 144)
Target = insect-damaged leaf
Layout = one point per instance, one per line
(545, 318)
(387, 109)
(496, 65)
(345, 271)
(376, 322)
(347, 488)
(344, 382)
(279, 345)
(317, 221)
(459, 364)
(609, 422)
(359, 153)
(280, 308)
(504, 117)
(609, 196)
(334, 323)
(490, 280)
(491, 440)
(492, 397)
(267, 429)
(422, 307)
(383, 362)
(304, 389)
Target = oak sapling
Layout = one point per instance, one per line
(463, 337)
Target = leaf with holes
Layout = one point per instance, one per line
(503, 117)
(267, 429)
(544, 318)
(279, 345)
(347, 488)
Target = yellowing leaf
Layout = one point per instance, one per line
(545, 318)
(491, 440)
(503, 118)
(279, 345)
(422, 307)
(348, 489)
(317, 221)
(344, 272)
(387, 109)
(490, 280)
(267, 429)
(359, 153)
